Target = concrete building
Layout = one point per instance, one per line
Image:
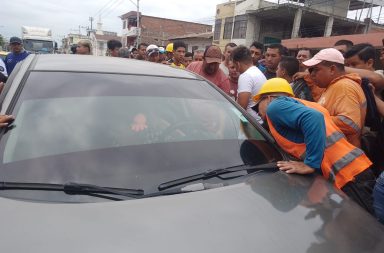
(317, 43)
(268, 22)
(71, 39)
(194, 41)
(99, 39)
(156, 30)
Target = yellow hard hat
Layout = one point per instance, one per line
(169, 47)
(274, 85)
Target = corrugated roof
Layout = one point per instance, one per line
(107, 37)
(193, 35)
(324, 42)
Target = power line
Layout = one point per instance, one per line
(113, 7)
(104, 7)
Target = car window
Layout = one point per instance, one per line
(83, 126)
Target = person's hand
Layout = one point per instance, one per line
(5, 120)
(294, 167)
(299, 75)
(139, 123)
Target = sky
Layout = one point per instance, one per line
(64, 17)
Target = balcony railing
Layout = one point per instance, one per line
(130, 32)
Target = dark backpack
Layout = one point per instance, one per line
(372, 142)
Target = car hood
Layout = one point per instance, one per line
(264, 213)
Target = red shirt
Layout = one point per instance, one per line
(219, 78)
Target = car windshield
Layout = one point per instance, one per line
(124, 131)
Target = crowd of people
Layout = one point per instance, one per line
(324, 109)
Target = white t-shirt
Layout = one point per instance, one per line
(251, 81)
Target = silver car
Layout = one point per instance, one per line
(117, 155)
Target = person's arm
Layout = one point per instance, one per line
(297, 118)
(380, 105)
(347, 111)
(243, 99)
(5, 120)
(374, 78)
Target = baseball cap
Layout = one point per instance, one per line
(151, 49)
(328, 54)
(213, 54)
(14, 40)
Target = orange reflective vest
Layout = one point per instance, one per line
(341, 161)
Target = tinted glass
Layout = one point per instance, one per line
(84, 127)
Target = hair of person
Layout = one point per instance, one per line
(230, 44)
(133, 49)
(339, 66)
(188, 54)
(306, 49)
(290, 64)
(364, 51)
(112, 44)
(178, 44)
(347, 43)
(86, 43)
(242, 54)
(283, 51)
(142, 44)
(257, 45)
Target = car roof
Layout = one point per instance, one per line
(103, 64)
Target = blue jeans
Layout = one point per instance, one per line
(378, 198)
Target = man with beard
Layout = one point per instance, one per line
(209, 68)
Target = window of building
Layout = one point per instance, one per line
(132, 22)
(124, 24)
(216, 35)
(228, 28)
(240, 27)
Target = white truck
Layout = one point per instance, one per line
(38, 40)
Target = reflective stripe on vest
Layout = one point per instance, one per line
(349, 122)
(341, 161)
(345, 160)
(333, 138)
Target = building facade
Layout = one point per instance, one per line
(195, 41)
(269, 22)
(156, 30)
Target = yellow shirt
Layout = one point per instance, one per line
(181, 66)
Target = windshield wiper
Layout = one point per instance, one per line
(73, 189)
(217, 172)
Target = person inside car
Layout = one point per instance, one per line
(5, 120)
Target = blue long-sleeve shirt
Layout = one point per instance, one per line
(300, 124)
(12, 59)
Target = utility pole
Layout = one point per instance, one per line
(91, 20)
(138, 24)
(138, 31)
(233, 20)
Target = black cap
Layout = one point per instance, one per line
(15, 40)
